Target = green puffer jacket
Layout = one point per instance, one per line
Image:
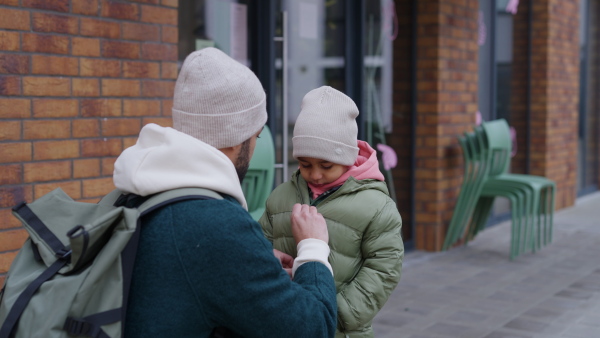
(365, 240)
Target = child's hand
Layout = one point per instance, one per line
(308, 223)
(287, 261)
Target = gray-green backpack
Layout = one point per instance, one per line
(72, 275)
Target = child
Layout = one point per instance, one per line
(340, 176)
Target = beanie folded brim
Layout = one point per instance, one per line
(324, 149)
(233, 129)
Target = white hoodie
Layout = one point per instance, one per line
(164, 159)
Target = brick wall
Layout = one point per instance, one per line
(447, 54)
(78, 79)
(555, 95)
(519, 86)
(400, 138)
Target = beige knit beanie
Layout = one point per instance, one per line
(326, 127)
(217, 99)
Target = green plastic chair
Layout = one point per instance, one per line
(486, 154)
(496, 139)
(519, 196)
(258, 183)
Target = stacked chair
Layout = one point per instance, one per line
(486, 153)
(258, 183)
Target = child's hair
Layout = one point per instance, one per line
(326, 127)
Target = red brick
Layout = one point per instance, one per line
(119, 10)
(55, 108)
(14, 64)
(154, 2)
(10, 85)
(100, 67)
(86, 168)
(54, 5)
(71, 188)
(140, 32)
(55, 150)
(170, 34)
(100, 107)
(54, 65)
(15, 152)
(10, 41)
(86, 87)
(120, 87)
(170, 3)
(121, 127)
(108, 166)
(169, 70)
(47, 171)
(99, 28)
(136, 69)
(11, 240)
(85, 46)
(159, 52)
(86, 128)
(167, 107)
(97, 187)
(101, 147)
(158, 88)
(10, 130)
(14, 19)
(121, 50)
(11, 174)
(9, 2)
(129, 142)
(161, 121)
(54, 23)
(141, 107)
(12, 196)
(85, 7)
(15, 108)
(160, 15)
(46, 129)
(42, 43)
(8, 220)
(46, 86)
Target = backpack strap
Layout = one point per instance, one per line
(62, 253)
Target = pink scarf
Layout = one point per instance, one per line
(365, 167)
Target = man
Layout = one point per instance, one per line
(203, 265)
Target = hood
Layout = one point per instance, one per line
(165, 159)
(365, 167)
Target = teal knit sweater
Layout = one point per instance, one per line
(203, 264)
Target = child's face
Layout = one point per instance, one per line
(320, 172)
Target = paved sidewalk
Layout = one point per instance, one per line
(476, 291)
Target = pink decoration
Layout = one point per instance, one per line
(481, 29)
(477, 118)
(390, 20)
(513, 137)
(512, 5)
(388, 156)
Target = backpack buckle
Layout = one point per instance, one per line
(63, 254)
(77, 327)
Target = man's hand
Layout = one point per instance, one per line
(287, 261)
(308, 223)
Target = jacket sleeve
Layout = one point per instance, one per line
(239, 284)
(383, 252)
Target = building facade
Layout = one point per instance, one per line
(79, 78)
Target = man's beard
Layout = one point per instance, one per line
(243, 161)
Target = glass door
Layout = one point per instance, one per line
(589, 102)
(310, 52)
